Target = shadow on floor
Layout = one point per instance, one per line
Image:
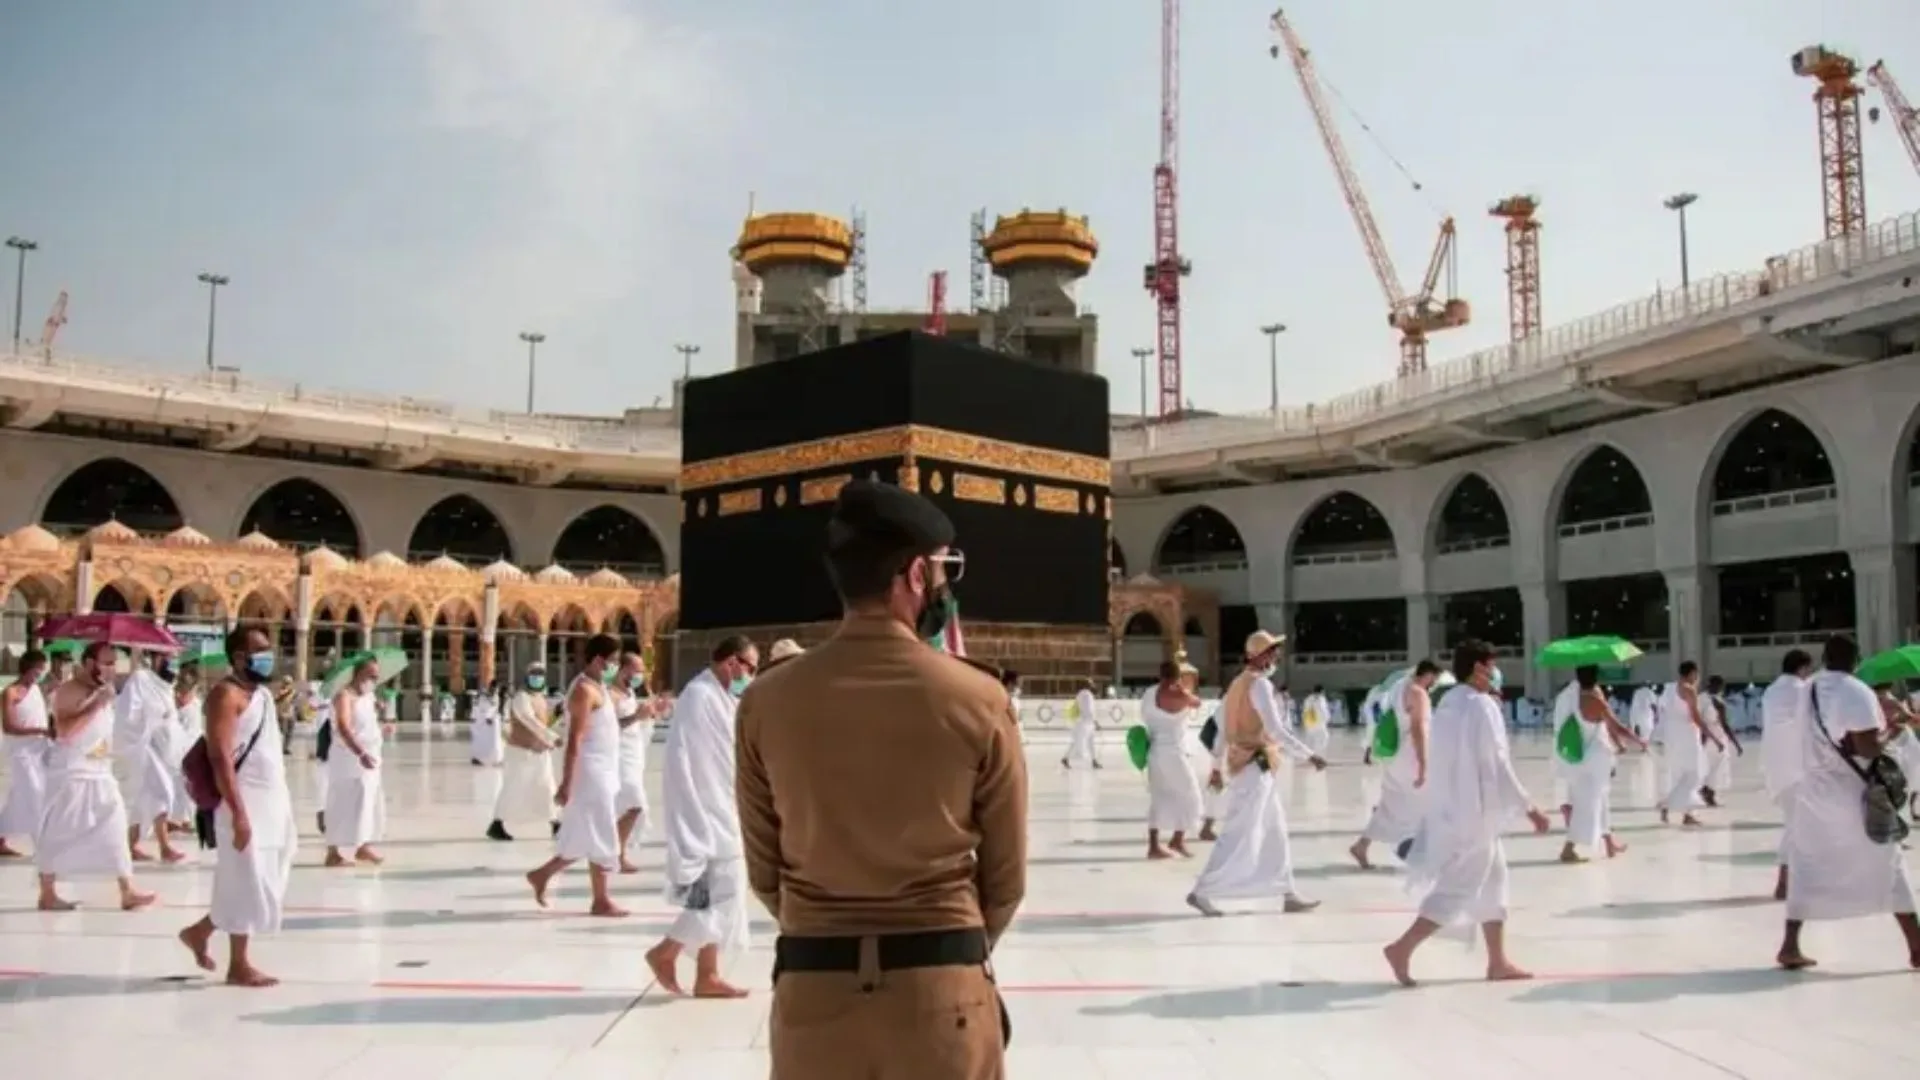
(1096, 922)
(450, 1010)
(408, 920)
(1652, 989)
(1261, 999)
(1648, 910)
(63, 987)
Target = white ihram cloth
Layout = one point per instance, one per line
(589, 824)
(526, 782)
(1833, 870)
(634, 738)
(1716, 762)
(189, 724)
(1643, 713)
(1316, 718)
(83, 822)
(26, 768)
(1682, 751)
(1173, 792)
(1458, 865)
(1253, 858)
(1370, 709)
(1590, 783)
(449, 710)
(1785, 714)
(250, 887)
(1396, 817)
(1085, 726)
(143, 714)
(486, 744)
(356, 795)
(701, 819)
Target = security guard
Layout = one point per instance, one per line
(883, 807)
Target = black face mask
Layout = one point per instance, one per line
(936, 614)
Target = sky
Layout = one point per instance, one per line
(398, 188)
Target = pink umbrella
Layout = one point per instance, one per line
(118, 629)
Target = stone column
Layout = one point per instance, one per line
(489, 633)
(82, 588)
(1883, 577)
(540, 656)
(302, 628)
(457, 661)
(1543, 618)
(1693, 608)
(426, 674)
(1423, 612)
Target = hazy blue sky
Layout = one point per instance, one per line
(398, 187)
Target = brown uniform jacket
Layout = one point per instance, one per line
(882, 789)
(1246, 735)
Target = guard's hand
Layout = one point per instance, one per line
(1319, 763)
(1540, 822)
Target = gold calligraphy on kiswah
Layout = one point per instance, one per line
(909, 442)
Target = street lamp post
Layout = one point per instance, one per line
(21, 245)
(1143, 355)
(533, 340)
(687, 353)
(1273, 332)
(212, 282)
(1678, 204)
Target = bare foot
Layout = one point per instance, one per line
(369, 856)
(1689, 822)
(1207, 834)
(196, 941)
(251, 978)
(171, 856)
(716, 987)
(1179, 847)
(1359, 853)
(628, 866)
(139, 854)
(1615, 848)
(1568, 855)
(1794, 960)
(1507, 973)
(54, 903)
(539, 882)
(660, 962)
(607, 909)
(1294, 905)
(335, 860)
(1663, 817)
(1400, 960)
(1157, 853)
(134, 901)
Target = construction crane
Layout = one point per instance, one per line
(56, 318)
(1414, 314)
(1523, 264)
(1163, 274)
(1843, 188)
(937, 303)
(1906, 119)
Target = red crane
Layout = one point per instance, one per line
(1163, 274)
(1906, 118)
(1843, 187)
(937, 303)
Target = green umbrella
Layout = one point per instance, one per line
(1597, 650)
(66, 647)
(392, 662)
(204, 653)
(1139, 745)
(1894, 665)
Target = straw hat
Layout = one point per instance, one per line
(1260, 641)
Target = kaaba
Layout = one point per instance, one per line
(1015, 453)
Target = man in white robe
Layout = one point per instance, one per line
(1684, 736)
(706, 863)
(189, 724)
(527, 785)
(636, 711)
(1316, 719)
(355, 800)
(1080, 747)
(1601, 738)
(483, 721)
(23, 720)
(1458, 864)
(254, 833)
(1717, 763)
(83, 819)
(1253, 858)
(1785, 712)
(590, 781)
(1643, 713)
(1396, 817)
(1834, 869)
(1174, 803)
(143, 714)
(449, 708)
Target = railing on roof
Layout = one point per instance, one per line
(1558, 347)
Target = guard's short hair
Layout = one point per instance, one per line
(96, 649)
(731, 646)
(1470, 654)
(1795, 662)
(1587, 675)
(602, 647)
(1840, 653)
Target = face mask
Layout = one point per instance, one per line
(536, 682)
(1495, 680)
(938, 612)
(636, 682)
(739, 685)
(260, 665)
(606, 676)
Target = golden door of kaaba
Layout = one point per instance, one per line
(1015, 453)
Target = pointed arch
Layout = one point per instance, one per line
(301, 514)
(1602, 484)
(1200, 536)
(613, 537)
(111, 489)
(1769, 451)
(1341, 526)
(1471, 513)
(462, 528)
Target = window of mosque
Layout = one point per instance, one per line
(1633, 606)
(1351, 626)
(608, 536)
(1201, 535)
(1785, 596)
(111, 489)
(1342, 523)
(1473, 515)
(1772, 452)
(461, 528)
(1494, 616)
(1605, 485)
(303, 514)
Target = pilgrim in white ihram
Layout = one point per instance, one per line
(590, 781)
(356, 799)
(1174, 802)
(23, 718)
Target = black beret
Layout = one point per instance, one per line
(885, 518)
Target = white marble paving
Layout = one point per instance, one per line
(438, 965)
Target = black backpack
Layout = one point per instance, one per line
(1209, 733)
(323, 739)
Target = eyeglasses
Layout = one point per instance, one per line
(954, 563)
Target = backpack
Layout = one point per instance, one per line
(196, 768)
(1209, 733)
(1885, 791)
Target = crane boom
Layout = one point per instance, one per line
(1163, 274)
(1906, 119)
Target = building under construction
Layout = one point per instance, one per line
(800, 285)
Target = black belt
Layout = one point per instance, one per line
(896, 952)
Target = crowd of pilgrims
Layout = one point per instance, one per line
(99, 761)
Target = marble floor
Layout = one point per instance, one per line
(439, 965)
